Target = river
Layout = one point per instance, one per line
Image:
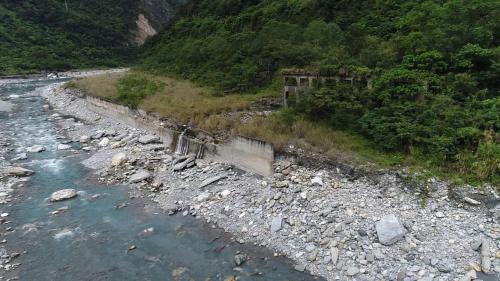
(89, 237)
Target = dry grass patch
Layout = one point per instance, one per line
(179, 100)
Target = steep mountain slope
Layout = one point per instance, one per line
(63, 34)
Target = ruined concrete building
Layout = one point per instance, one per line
(298, 82)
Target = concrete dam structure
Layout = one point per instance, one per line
(245, 153)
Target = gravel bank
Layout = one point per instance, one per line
(328, 222)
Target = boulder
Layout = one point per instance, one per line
(211, 180)
(63, 194)
(19, 172)
(317, 180)
(63, 146)
(104, 142)
(147, 139)
(203, 197)
(119, 159)
(98, 134)
(182, 165)
(389, 230)
(116, 145)
(36, 149)
(276, 224)
(84, 139)
(141, 175)
(21, 156)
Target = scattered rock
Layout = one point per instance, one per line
(203, 197)
(84, 139)
(104, 142)
(63, 194)
(471, 201)
(63, 146)
(240, 259)
(36, 149)
(276, 224)
(119, 159)
(225, 193)
(389, 230)
(352, 270)
(485, 256)
(139, 176)
(211, 180)
(440, 214)
(147, 139)
(300, 267)
(334, 253)
(19, 172)
(317, 180)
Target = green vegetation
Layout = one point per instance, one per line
(435, 96)
(40, 35)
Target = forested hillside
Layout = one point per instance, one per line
(436, 67)
(57, 34)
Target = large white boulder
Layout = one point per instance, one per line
(62, 146)
(141, 175)
(36, 148)
(63, 194)
(104, 142)
(19, 172)
(84, 139)
(147, 139)
(389, 230)
(119, 159)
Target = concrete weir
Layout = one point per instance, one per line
(245, 153)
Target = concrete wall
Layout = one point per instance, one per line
(245, 153)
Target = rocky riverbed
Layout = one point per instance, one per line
(58, 223)
(368, 227)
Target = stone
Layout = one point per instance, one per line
(475, 245)
(104, 142)
(147, 139)
(334, 253)
(182, 165)
(317, 180)
(36, 149)
(203, 197)
(84, 139)
(485, 256)
(63, 146)
(64, 194)
(389, 230)
(240, 259)
(471, 201)
(139, 176)
(119, 159)
(352, 270)
(439, 214)
(313, 255)
(116, 145)
(20, 156)
(276, 224)
(225, 193)
(211, 180)
(300, 267)
(98, 134)
(19, 172)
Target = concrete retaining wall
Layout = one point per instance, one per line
(245, 153)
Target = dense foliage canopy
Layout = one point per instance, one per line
(435, 62)
(63, 34)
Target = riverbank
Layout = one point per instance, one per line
(321, 218)
(60, 75)
(105, 232)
